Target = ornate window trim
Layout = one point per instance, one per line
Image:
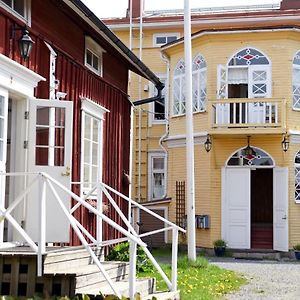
(259, 159)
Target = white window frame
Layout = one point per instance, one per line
(96, 112)
(27, 11)
(153, 92)
(295, 81)
(164, 35)
(201, 72)
(151, 155)
(97, 51)
(181, 78)
(297, 180)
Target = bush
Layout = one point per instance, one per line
(121, 253)
(297, 247)
(219, 243)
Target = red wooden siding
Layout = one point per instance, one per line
(52, 23)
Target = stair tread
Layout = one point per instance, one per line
(88, 269)
(122, 286)
(164, 295)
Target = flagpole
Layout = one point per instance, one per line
(190, 178)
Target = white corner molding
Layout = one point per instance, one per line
(17, 78)
(178, 141)
(294, 136)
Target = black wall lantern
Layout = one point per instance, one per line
(25, 41)
(285, 143)
(208, 143)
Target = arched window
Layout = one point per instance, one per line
(199, 83)
(296, 81)
(247, 75)
(179, 89)
(254, 157)
(247, 57)
(297, 177)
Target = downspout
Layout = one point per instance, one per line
(140, 111)
(166, 59)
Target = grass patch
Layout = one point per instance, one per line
(199, 280)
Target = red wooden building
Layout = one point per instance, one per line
(82, 133)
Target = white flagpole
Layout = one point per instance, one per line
(190, 182)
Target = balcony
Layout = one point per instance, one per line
(255, 116)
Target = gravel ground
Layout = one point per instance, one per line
(270, 280)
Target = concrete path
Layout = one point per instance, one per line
(267, 280)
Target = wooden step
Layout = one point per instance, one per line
(164, 296)
(66, 260)
(144, 287)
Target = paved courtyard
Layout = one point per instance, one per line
(270, 280)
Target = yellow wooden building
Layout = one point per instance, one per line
(246, 101)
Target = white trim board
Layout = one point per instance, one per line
(17, 78)
(177, 141)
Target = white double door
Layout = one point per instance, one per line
(236, 208)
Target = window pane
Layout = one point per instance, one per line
(95, 130)
(87, 151)
(87, 133)
(8, 2)
(59, 116)
(42, 136)
(41, 156)
(59, 156)
(19, 7)
(158, 185)
(42, 115)
(95, 154)
(158, 163)
(171, 39)
(94, 174)
(95, 62)
(161, 40)
(59, 137)
(89, 57)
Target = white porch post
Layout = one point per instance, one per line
(189, 134)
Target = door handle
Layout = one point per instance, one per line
(284, 218)
(67, 173)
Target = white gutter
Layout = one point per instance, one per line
(190, 167)
(204, 33)
(215, 21)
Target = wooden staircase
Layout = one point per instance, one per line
(67, 271)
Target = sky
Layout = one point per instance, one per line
(117, 8)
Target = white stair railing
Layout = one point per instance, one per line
(45, 181)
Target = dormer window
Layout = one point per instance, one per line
(93, 56)
(19, 8)
(160, 39)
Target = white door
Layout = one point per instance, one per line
(280, 209)
(50, 149)
(259, 87)
(3, 148)
(236, 207)
(222, 110)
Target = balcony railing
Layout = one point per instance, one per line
(248, 113)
